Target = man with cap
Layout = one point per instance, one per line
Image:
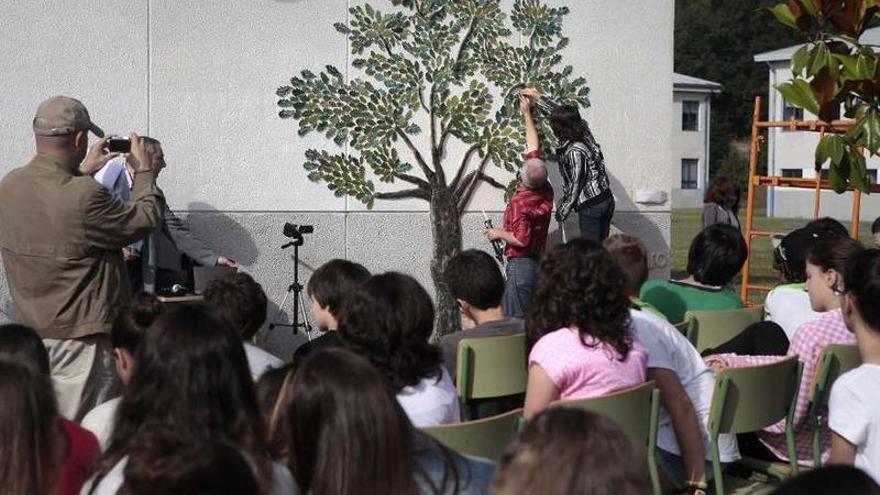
(61, 238)
(526, 223)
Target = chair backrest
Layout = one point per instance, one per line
(487, 437)
(709, 329)
(491, 367)
(749, 399)
(835, 360)
(631, 409)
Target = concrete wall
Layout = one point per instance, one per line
(690, 144)
(201, 77)
(796, 150)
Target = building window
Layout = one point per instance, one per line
(793, 172)
(791, 112)
(689, 173)
(690, 115)
(872, 174)
(824, 174)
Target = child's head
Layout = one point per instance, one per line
(241, 300)
(578, 286)
(826, 262)
(272, 396)
(128, 330)
(862, 300)
(716, 255)
(830, 479)
(567, 450)
(328, 288)
(630, 254)
(474, 279)
(875, 231)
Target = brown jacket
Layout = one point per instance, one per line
(61, 237)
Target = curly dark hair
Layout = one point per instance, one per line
(388, 319)
(579, 285)
(723, 191)
(241, 300)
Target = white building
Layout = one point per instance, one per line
(791, 153)
(691, 109)
(202, 76)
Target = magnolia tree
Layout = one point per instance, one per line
(430, 73)
(833, 70)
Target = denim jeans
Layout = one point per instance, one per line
(672, 466)
(595, 220)
(518, 290)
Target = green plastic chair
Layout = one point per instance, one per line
(636, 411)
(835, 360)
(707, 329)
(487, 437)
(750, 399)
(490, 367)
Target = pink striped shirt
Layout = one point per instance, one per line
(808, 342)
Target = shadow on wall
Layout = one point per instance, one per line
(226, 236)
(7, 311)
(627, 219)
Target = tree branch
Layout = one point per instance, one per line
(417, 193)
(429, 174)
(436, 150)
(464, 163)
(411, 179)
(471, 185)
(492, 182)
(465, 41)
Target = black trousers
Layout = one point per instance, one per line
(595, 220)
(764, 338)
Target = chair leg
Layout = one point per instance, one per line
(716, 468)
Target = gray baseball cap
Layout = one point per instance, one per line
(62, 115)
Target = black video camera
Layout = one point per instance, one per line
(295, 232)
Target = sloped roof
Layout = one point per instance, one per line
(681, 81)
(869, 37)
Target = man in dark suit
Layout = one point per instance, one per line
(160, 252)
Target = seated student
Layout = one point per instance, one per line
(388, 319)
(477, 285)
(191, 383)
(854, 407)
(29, 432)
(47, 432)
(825, 284)
(348, 435)
(578, 335)
(632, 257)
(242, 301)
(716, 255)
(788, 304)
(565, 451)
(329, 287)
(125, 336)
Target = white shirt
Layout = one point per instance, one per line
(282, 481)
(101, 420)
(114, 176)
(789, 307)
(854, 414)
(669, 349)
(260, 361)
(431, 402)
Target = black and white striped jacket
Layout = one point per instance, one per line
(581, 165)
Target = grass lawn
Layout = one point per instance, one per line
(687, 222)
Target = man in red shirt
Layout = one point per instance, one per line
(526, 222)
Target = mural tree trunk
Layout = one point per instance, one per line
(437, 65)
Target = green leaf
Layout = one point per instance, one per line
(799, 60)
(809, 6)
(308, 75)
(783, 14)
(838, 174)
(799, 94)
(822, 153)
(872, 131)
(819, 59)
(836, 147)
(342, 28)
(858, 174)
(850, 65)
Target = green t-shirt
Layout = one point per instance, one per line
(674, 299)
(646, 306)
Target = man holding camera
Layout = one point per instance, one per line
(61, 237)
(145, 259)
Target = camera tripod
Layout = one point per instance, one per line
(296, 288)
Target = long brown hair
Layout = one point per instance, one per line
(722, 191)
(29, 428)
(191, 382)
(564, 451)
(347, 433)
(579, 285)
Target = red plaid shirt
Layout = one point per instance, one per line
(808, 342)
(527, 216)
